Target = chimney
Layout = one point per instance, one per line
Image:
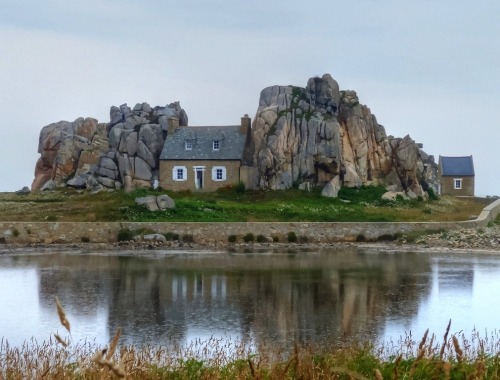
(246, 123)
(173, 124)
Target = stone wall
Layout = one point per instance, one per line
(217, 233)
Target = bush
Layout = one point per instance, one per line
(15, 232)
(360, 238)
(276, 238)
(51, 218)
(432, 194)
(292, 237)
(188, 238)
(248, 237)
(232, 238)
(2, 240)
(389, 237)
(85, 239)
(170, 236)
(125, 235)
(240, 188)
(303, 239)
(261, 238)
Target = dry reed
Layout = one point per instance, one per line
(473, 358)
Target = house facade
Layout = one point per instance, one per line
(206, 158)
(456, 176)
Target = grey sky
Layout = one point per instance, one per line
(430, 69)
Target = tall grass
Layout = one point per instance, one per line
(452, 357)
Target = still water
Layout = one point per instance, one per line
(323, 297)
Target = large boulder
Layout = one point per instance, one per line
(61, 146)
(165, 202)
(318, 133)
(122, 153)
(149, 202)
(331, 189)
(152, 203)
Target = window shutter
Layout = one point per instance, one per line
(214, 174)
(223, 174)
(175, 172)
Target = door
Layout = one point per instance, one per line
(199, 178)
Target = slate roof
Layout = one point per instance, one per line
(456, 166)
(231, 143)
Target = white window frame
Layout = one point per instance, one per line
(216, 144)
(223, 173)
(175, 173)
(188, 144)
(457, 183)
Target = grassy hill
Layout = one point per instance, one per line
(233, 205)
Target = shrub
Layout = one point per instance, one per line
(261, 238)
(292, 237)
(239, 188)
(248, 237)
(2, 240)
(232, 238)
(51, 218)
(360, 238)
(432, 194)
(170, 236)
(15, 232)
(85, 239)
(276, 238)
(389, 237)
(188, 238)
(125, 235)
(28, 231)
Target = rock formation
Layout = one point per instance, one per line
(317, 136)
(122, 153)
(321, 136)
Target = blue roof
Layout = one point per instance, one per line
(231, 143)
(456, 166)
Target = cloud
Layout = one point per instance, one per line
(424, 68)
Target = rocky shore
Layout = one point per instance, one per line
(481, 238)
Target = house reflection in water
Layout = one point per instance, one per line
(318, 298)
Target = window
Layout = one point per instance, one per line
(179, 173)
(218, 173)
(458, 183)
(189, 144)
(216, 144)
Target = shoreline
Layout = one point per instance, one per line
(255, 248)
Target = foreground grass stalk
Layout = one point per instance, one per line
(218, 359)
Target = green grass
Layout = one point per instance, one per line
(233, 205)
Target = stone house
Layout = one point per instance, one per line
(206, 158)
(456, 176)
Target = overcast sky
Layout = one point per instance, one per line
(427, 68)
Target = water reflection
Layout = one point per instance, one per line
(317, 297)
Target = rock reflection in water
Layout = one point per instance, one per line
(314, 298)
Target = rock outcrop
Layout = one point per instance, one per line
(123, 153)
(66, 148)
(319, 134)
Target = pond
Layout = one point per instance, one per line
(175, 297)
